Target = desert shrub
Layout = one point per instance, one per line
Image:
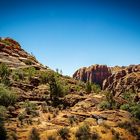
(88, 87)
(135, 110)
(30, 72)
(12, 136)
(44, 77)
(28, 62)
(116, 135)
(56, 88)
(105, 125)
(34, 135)
(51, 137)
(83, 133)
(3, 113)
(129, 96)
(18, 75)
(64, 133)
(30, 108)
(44, 108)
(11, 109)
(3, 133)
(7, 97)
(94, 136)
(4, 74)
(71, 120)
(21, 117)
(109, 98)
(131, 128)
(125, 107)
(104, 105)
(96, 88)
(4, 71)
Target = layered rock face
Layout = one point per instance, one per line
(95, 73)
(14, 56)
(115, 79)
(124, 80)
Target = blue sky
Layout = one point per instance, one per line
(69, 34)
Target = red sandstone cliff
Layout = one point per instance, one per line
(94, 73)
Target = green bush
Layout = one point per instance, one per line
(104, 105)
(18, 75)
(83, 133)
(34, 135)
(71, 120)
(64, 133)
(7, 97)
(21, 117)
(30, 108)
(96, 88)
(12, 136)
(129, 96)
(88, 87)
(125, 107)
(131, 128)
(56, 88)
(44, 77)
(31, 71)
(4, 74)
(109, 97)
(3, 113)
(4, 71)
(135, 110)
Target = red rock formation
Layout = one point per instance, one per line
(13, 55)
(124, 80)
(95, 73)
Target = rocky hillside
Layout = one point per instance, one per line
(37, 103)
(14, 56)
(126, 79)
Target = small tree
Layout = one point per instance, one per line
(64, 133)
(7, 97)
(109, 98)
(4, 71)
(4, 74)
(88, 87)
(83, 132)
(34, 135)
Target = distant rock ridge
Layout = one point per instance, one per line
(14, 56)
(95, 73)
(124, 80)
(115, 79)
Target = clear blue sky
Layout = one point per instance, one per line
(69, 34)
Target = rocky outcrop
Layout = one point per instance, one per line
(115, 79)
(95, 73)
(14, 56)
(124, 80)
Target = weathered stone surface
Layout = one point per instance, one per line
(95, 73)
(14, 56)
(124, 80)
